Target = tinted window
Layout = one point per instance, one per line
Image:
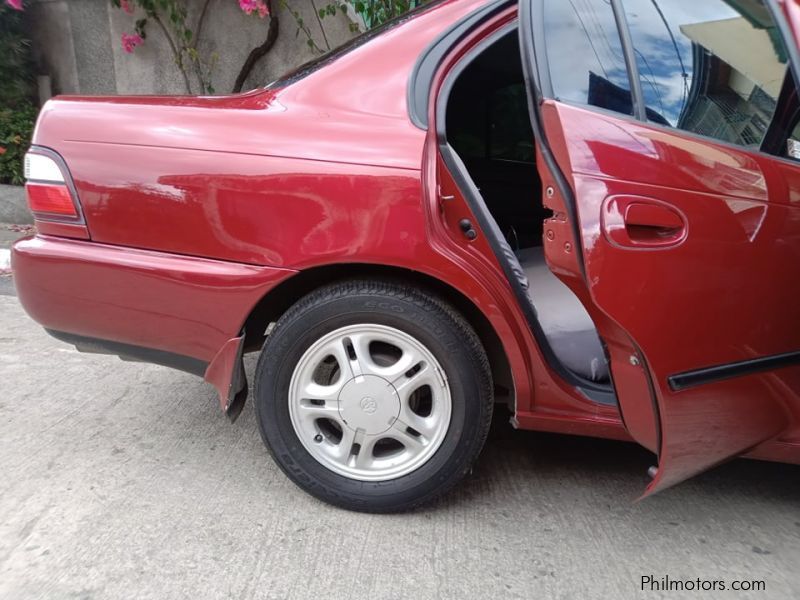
(713, 67)
(585, 56)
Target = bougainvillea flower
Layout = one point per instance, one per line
(15, 4)
(126, 6)
(251, 6)
(248, 6)
(130, 41)
(2, 151)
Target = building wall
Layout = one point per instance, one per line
(51, 37)
(92, 44)
(77, 43)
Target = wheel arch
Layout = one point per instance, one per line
(278, 300)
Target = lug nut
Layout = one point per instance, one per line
(318, 438)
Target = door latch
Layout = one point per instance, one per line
(444, 197)
(468, 229)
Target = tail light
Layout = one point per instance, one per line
(51, 194)
(50, 199)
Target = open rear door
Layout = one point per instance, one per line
(689, 240)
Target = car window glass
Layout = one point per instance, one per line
(712, 67)
(585, 55)
(792, 147)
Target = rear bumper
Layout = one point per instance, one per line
(185, 306)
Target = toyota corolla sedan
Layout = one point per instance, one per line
(586, 211)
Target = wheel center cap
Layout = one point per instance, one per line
(369, 403)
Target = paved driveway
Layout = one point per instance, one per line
(122, 480)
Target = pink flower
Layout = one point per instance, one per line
(251, 6)
(248, 6)
(126, 6)
(130, 41)
(15, 4)
(2, 151)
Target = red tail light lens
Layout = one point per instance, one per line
(54, 199)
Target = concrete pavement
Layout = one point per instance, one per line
(123, 480)
(9, 233)
(13, 205)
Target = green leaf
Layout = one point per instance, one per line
(16, 127)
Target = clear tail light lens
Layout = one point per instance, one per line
(42, 168)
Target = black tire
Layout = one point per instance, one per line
(434, 323)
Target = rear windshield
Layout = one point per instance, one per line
(329, 57)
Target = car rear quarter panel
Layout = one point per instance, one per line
(261, 210)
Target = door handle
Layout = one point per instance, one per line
(652, 224)
(637, 222)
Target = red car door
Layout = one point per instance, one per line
(657, 116)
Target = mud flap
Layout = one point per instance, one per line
(226, 373)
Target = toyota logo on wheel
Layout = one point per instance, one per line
(368, 405)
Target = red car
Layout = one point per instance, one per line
(586, 211)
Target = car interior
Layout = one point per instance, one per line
(488, 126)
